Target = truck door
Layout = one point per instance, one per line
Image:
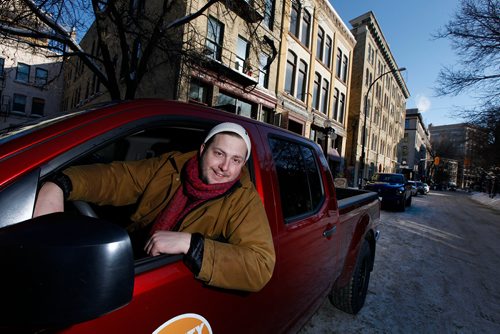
(306, 225)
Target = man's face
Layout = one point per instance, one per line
(223, 158)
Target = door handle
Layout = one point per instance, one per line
(328, 233)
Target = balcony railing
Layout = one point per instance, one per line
(247, 10)
(227, 63)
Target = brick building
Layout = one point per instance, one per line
(30, 85)
(415, 147)
(376, 79)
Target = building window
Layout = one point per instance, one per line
(41, 76)
(306, 28)
(341, 108)
(242, 50)
(198, 91)
(294, 18)
(215, 37)
(2, 64)
(324, 96)
(328, 52)
(263, 70)
(236, 106)
(319, 43)
(37, 106)
(23, 72)
(269, 13)
(335, 104)
(371, 54)
(302, 81)
(339, 63)
(19, 104)
(345, 66)
(316, 90)
(291, 68)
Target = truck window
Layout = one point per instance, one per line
(299, 179)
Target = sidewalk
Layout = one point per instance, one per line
(483, 198)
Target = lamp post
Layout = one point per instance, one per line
(363, 140)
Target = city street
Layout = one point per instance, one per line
(436, 271)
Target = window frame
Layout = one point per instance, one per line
(328, 52)
(302, 84)
(41, 80)
(325, 92)
(243, 43)
(263, 72)
(305, 33)
(295, 10)
(2, 67)
(215, 30)
(14, 103)
(314, 209)
(291, 63)
(21, 76)
(36, 102)
(320, 43)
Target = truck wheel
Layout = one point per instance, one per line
(351, 298)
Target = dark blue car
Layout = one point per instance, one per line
(393, 188)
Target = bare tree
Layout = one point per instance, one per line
(475, 35)
(131, 39)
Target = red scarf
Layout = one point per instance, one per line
(190, 194)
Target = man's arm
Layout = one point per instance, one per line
(50, 199)
(246, 261)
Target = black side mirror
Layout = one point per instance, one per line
(62, 269)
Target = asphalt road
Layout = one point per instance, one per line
(437, 270)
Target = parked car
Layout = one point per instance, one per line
(452, 186)
(71, 273)
(414, 189)
(422, 188)
(392, 188)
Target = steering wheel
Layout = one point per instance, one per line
(85, 209)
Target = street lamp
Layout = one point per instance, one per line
(363, 140)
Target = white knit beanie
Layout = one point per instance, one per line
(234, 128)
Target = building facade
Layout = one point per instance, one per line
(283, 63)
(416, 147)
(30, 84)
(460, 142)
(314, 76)
(226, 59)
(377, 106)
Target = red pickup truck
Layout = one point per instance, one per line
(71, 273)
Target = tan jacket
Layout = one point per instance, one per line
(245, 257)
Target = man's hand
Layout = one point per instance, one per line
(168, 242)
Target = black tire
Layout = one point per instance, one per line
(351, 298)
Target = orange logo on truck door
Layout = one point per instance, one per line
(189, 323)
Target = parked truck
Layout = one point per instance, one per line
(76, 271)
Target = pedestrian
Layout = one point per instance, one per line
(201, 204)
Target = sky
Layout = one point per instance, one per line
(408, 27)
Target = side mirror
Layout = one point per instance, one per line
(62, 269)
